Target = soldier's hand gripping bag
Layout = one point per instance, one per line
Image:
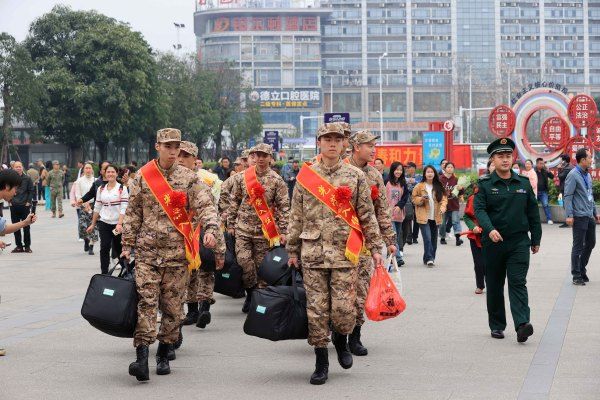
(383, 300)
(110, 304)
(274, 269)
(228, 281)
(207, 257)
(278, 313)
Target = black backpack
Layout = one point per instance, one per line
(278, 312)
(110, 304)
(274, 269)
(228, 281)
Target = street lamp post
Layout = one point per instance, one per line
(178, 26)
(331, 93)
(381, 99)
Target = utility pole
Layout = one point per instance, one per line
(470, 103)
(178, 27)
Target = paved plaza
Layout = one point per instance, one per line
(440, 348)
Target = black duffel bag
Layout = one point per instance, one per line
(274, 269)
(228, 281)
(110, 304)
(278, 312)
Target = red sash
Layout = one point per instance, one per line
(173, 204)
(325, 192)
(256, 197)
(470, 212)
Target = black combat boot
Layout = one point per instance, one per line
(179, 341)
(86, 245)
(139, 368)
(356, 346)
(192, 314)
(246, 306)
(91, 250)
(443, 241)
(341, 347)
(319, 377)
(162, 359)
(204, 317)
(459, 241)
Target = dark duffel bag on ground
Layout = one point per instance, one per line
(274, 269)
(228, 281)
(278, 313)
(110, 304)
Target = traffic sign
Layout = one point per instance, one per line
(582, 111)
(502, 121)
(336, 117)
(576, 143)
(555, 133)
(594, 135)
(272, 138)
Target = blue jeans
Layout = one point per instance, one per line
(399, 243)
(454, 217)
(429, 233)
(543, 198)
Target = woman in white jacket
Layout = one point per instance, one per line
(82, 186)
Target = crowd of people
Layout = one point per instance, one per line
(337, 216)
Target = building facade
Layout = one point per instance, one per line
(433, 57)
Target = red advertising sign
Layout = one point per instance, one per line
(582, 111)
(555, 133)
(594, 135)
(461, 154)
(576, 143)
(502, 121)
(259, 24)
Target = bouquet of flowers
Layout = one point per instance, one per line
(463, 182)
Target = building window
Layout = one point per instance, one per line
(347, 102)
(307, 77)
(392, 102)
(439, 101)
(267, 77)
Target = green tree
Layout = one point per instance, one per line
(19, 90)
(248, 125)
(96, 72)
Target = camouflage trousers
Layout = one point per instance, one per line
(250, 252)
(56, 198)
(200, 286)
(330, 297)
(159, 288)
(363, 281)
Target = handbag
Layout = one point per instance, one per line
(228, 281)
(110, 303)
(383, 300)
(274, 269)
(278, 312)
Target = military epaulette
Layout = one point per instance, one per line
(484, 177)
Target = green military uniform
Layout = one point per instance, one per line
(55, 181)
(510, 207)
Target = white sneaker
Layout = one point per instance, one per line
(550, 222)
(80, 240)
(430, 263)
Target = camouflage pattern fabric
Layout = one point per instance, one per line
(250, 252)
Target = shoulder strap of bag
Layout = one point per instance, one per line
(295, 284)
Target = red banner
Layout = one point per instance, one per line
(582, 111)
(555, 133)
(461, 154)
(502, 121)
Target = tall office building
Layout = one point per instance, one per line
(437, 56)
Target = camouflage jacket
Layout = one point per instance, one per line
(241, 215)
(55, 179)
(147, 228)
(382, 210)
(224, 198)
(316, 234)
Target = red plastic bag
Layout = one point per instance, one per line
(384, 300)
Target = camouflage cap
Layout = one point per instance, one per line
(167, 135)
(238, 161)
(331, 128)
(262, 148)
(363, 137)
(189, 148)
(245, 153)
(347, 129)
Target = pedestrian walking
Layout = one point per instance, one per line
(290, 176)
(380, 166)
(20, 208)
(529, 172)
(506, 208)
(398, 197)
(222, 170)
(66, 180)
(45, 189)
(430, 205)
(542, 187)
(563, 170)
(82, 185)
(363, 152)
(55, 183)
(257, 216)
(449, 182)
(410, 226)
(157, 227)
(331, 213)
(581, 215)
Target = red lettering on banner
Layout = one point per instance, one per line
(309, 24)
(240, 24)
(291, 24)
(258, 24)
(221, 24)
(405, 153)
(274, 24)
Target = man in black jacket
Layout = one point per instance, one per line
(563, 170)
(20, 206)
(542, 187)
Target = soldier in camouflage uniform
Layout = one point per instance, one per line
(318, 237)
(347, 150)
(227, 186)
(363, 152)
(55, 182)
(251, 245)
(199, 294)
(161, 265)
